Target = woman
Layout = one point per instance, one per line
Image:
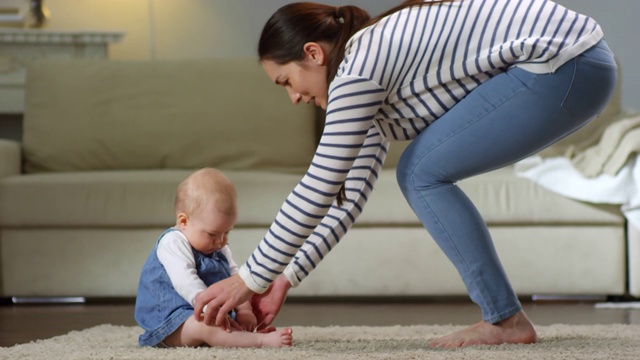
(476, 85)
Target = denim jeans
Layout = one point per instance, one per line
(509, 117)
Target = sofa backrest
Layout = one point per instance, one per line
(85, 115)
(185, 114)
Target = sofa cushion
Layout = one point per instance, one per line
(501, 197)
(86, 115)
(145, 199)
(127, 198)
(9, 158)
(566, 260)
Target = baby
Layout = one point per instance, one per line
(186, 259)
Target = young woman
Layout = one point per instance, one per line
(475, 84)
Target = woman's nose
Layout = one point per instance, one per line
(294, 96)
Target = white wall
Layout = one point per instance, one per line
(173, 29)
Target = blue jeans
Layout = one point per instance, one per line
(509, 117)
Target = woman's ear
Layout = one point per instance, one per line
(314, 53)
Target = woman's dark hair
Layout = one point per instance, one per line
(290, 27)
(294, 25)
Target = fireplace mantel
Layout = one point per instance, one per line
(18, 47)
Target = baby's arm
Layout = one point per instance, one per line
(175, 254)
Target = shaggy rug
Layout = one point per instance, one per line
(361, 343)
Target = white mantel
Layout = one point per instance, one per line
(20, 46)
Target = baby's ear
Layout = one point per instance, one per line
(182, 219)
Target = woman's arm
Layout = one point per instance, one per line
(352, 107)
(353, 104)
(360, 183)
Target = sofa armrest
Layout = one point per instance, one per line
(633, 252)
(10, 158)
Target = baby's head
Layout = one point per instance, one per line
(206, 209)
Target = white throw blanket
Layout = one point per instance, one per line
(606, 173)
(559, 175)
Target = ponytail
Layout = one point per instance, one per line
(350, 19)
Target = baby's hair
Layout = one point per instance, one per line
(205, 186)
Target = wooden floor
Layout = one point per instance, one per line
(27, 322)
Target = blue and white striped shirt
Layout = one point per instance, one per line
(397, 77)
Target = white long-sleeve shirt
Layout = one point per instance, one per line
(398, 76)
(176, 255)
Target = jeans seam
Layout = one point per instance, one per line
(566, 95)
(597, 63)
(435, 217)
(485, 306)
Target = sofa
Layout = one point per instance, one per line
(85, 194)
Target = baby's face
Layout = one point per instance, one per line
(208, 230)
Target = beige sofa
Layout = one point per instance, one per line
(85, 195)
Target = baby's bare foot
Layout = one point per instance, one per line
(514, 330)
(278, 338)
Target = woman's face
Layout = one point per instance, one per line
(306, 80)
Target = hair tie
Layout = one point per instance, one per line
(338, 16)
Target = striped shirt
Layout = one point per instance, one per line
(397, 77)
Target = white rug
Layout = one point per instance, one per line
(396, 342)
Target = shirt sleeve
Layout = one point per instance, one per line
(360, 183)
(352, 106)
(175, 254)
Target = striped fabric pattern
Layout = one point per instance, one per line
(398, 76)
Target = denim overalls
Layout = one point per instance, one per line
(159, 309)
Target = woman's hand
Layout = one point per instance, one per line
(246, 319)
(220, 298)
(267, 305)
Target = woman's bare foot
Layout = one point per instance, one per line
(279, 338)
(514, 330)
